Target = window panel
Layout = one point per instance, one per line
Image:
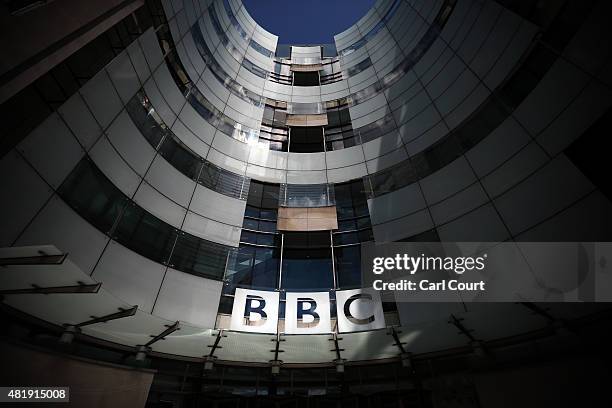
(181, 158)
(199, 257)
(307, 263)
(306, 139)
(348, 266)
(146, 119)
(93, 196)
(145, 234)
(306, 78)
(253, 267)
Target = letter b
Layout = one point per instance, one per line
(259, 309)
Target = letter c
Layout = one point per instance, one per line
(347, 309)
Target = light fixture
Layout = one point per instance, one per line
(406, 360)
(276, 364)
(141, 352)
(339, 363)
(68, 334)
(209, 362)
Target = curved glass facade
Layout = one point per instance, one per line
(198, 162)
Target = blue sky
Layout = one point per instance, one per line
(307, 21)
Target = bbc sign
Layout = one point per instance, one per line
(307, 312)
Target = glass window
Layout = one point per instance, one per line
(306, 139)
(146, 119)
(226, 304)
(253, 267)
(93, 196)
(348, 266)
(254, 69)
(260, 48)
(262, 200)
(145, 234)
(490, 115)
(346, 238)
(250, 224)
(399, 175)
(234, 20)
(99, 201)
(181, 157)
(351, 200)
(198, 256)
(529, 74)
(357, 68)
(427, 236)
(309, 78)
(307, 263)
(223, 181)
(307, 195)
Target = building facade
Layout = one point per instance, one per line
(200, 159)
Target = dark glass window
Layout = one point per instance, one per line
(357, 68)
(226, 304)
(338, 116)
(306, 139)
(346, 238)
(589, 153)
(340, 138)
(145, 234)
(330, 72)
(259, 225)
(479, 126)
(307, 262)
(223, 181)
(93, 196)
(179, 156)
(146, 119)
(376, 129)
(254, 267)
(262, 201)
(251, 224)
(522, 82)
(349, 237)
(177, 70)
(339, 130)
(256, 263)
(274, 116)
(310, 78)
(427, 236)
(199, 257)
(259, 238)
(351, 200)
(348, 266)
(254, 69)
(395, 177)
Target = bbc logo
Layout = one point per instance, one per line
(307, 312)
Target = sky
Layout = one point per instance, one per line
(306, 21)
